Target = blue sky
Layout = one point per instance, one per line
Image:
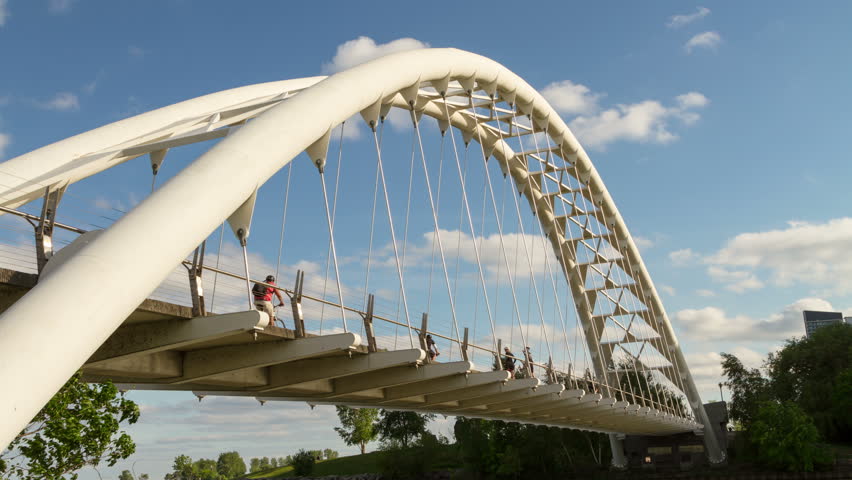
(721, 131)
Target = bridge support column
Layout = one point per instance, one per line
(616, 444)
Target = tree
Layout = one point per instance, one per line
(283, 462)
(809, 371)
(230, 465)
(79, 426)
(787, 438)
(402, 428)
(303, 463)
(357, 426)
(143, 476)
(264, 463)
(748, 390)
(254, 465)
(330, 454)
(126, 475)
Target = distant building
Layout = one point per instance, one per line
(817, 320)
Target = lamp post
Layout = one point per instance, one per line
(720, 392)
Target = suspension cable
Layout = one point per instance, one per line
(283, 220)
(437, 228)
(333, 218)
(472, 230)
(393, 235)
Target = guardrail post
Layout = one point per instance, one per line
(368, 325)
(44, 228)
(551, 374)
(296, 304)
(497, 355)
(464, 346)
(196, 289)
(424, 323)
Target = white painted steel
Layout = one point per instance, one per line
(246, 159)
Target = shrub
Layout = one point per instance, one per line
(786, 438)
(303, 463)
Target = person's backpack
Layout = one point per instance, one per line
(258, 290)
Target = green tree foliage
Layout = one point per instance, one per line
(786, 438)
(303, 463)
(813, 372)
(398, 463)
(748, 390)
(490, 448)
(330, 454)
(79, 426)
(401, 428)
(357, 426)
(254, 465)
(230, 465)
(126, 475)
(184, 468)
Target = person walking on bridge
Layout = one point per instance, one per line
(263, 298)
(509, 361)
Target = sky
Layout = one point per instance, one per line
(720, 130)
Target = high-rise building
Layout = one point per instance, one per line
(817, 320)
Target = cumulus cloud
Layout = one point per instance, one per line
(669, 290)
(706, 368)
(363, 49)
(677, 21)
(737, 281)
(643, 242)
(802, 253)
(713, 323)
(571, 98)
(648, 121)
(709, 40)
(682, 257)
(57, 7)
(703, 292)
(63, 101)
(5, 141)
(4, 12)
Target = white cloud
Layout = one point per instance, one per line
(57, 7)
(682, 257)
(814, 254)
(713, 323)
(364, 49)
(643, 242)
(706, 368)
(5, 141)
(571, 98)
(135, 51)
(669, 290)
(737, 281)
(677, 21)
(703, 292)
(645, 122)
(63, 101)
(709, 40)
(4, 12)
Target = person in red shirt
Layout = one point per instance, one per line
(263, 298)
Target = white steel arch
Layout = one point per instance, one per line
(156, 235)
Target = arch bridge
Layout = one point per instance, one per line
(477, 270)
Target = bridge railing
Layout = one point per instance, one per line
(228, 292)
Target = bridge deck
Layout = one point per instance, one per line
(161, 347)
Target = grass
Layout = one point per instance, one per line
(352, 465)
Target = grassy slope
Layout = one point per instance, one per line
(367, 463)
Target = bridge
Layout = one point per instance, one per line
(472, 267)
